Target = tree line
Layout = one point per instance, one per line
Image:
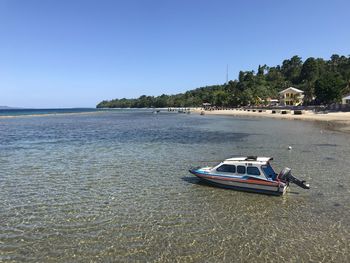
(323, 82)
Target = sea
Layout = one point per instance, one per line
(86, 185)
(12, 112)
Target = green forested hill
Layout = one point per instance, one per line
(323, 82)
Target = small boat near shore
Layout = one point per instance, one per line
(252, 173)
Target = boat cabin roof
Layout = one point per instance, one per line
(250, 159)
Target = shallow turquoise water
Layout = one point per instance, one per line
(114, 186)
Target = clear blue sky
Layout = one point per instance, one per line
(76, 53)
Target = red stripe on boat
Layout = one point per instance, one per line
(248, 181)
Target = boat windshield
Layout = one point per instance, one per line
(268, 171)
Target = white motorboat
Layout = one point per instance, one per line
(252, 173)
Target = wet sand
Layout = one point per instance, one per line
(338, 121)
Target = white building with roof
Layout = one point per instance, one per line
(291, 97)
(346, 100)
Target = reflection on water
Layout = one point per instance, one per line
(115, 186)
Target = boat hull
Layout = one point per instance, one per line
(248, 185)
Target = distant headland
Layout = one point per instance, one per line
(8, 108)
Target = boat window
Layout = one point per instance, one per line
(226, 168)
(241, 169)
(268, 171)
(251, 170)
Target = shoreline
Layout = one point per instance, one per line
(336, 121)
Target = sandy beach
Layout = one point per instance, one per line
(338, 121)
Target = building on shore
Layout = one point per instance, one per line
(206, 106)
(346, 100)
(272, 102)
(291, 97)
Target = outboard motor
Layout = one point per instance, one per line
(287, 177)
